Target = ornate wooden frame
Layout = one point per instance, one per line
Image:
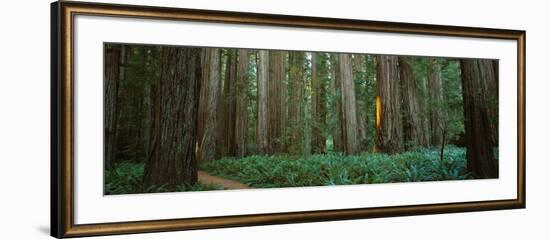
(62, 184)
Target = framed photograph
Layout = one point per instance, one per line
(170, 119)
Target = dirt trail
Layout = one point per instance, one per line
(206, 178)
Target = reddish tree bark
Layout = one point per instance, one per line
(350, 138)
(241, 110)
(413, 125)
(389, 128)
(262, 143)
(437, 120)
(277, 102)
(477, 76)
(336, 104)
(114, 58)
(229, 105)
(210, 140)
(172, 160)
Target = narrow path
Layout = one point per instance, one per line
(206, 178)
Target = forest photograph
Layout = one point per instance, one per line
(185, 118)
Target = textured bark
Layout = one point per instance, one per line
(241, 108)
(336, 103)
(389, 128)
(296, 110)
(276, 103)
(322, 74)
(172, 161)
(350, 140)
(493, 97)
(413, 125)
(477, 76)
(360, 88)
(203, 98)
(113, 61)
(229, 105)
(435, 93)
(210, 140)
(318, 104)
(262, 117)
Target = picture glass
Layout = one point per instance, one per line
(185, 118)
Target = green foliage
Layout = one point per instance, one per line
(336, 169)
(126, 178)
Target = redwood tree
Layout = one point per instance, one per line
(241, 108)
(476, 79)
(318, 102)
(262, 143)
(276, 105)
(350, 138)
(229, 105)
(389, 126)
(413, 125)
(172, 159)
(435, 92)
(336, 103)
(296, 97)
(114, 59)
(210, 139)
(360, 78)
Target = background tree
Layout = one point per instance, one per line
(229, 104)
(296, 107)
(241, 108)
(177, 98)
(336, 103)
(114, 59)
(413, 125)
(476, 78)
(350, 137)
(361, 95)
(262, 118)
(389, 128)
(277, 101)
(319, 73)
(437, 112)
(203, 98)
(209, 143)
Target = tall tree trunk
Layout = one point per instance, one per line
(360, 89)
(296, 110)
(154, 106)
(436, 102)
(413, 125)
(317, 101)
(322, 76)
(493, 100)
(476, 79)
(209, 143)
(389, 128)
(228, 119)
(203, 98)
(336, 103)
(149, 96)
(262, 143)
(241, 111)
(276, 102)
(113, 61)
(349, 106)
(173, 161)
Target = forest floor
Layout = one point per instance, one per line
(417, 165)
(206, 178)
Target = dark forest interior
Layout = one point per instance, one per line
(193, 119)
